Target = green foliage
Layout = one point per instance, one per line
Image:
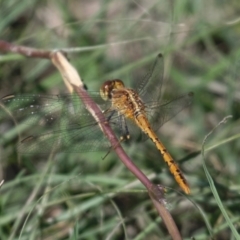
(81, 196)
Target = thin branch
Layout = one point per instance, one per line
(156, 193)
(25, 51)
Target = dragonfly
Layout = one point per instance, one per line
(69, 127)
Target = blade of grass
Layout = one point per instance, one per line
(211, 182)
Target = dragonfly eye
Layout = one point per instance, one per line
(106, 89)
(108, 86)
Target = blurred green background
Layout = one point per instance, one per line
(81, 196)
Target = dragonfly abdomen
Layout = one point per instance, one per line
(143, 123)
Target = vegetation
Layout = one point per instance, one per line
(82, 195)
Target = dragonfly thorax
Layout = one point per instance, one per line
(127, 102)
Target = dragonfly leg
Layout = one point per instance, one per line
(124, 133)
(110, 115)
(123, 128)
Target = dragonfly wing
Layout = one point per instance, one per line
(69, 127)
(49, 109)
(75, 140)
(150, 87)
(160, 114)
(32, 107)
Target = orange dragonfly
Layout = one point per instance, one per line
(68, 127)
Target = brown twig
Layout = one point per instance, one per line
(70, 75)
(25, 51)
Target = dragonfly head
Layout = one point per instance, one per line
(108, 86)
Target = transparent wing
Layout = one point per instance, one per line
(150, 87)
(49, 110)
(158, 114)
(75, 140)
(69, 127)
(60, 123)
